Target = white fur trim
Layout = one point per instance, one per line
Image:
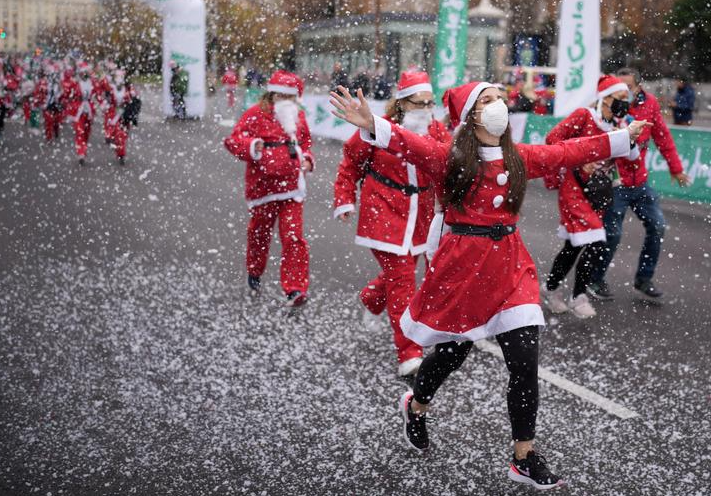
(286, 90)
(411, 90)
(602, 124)
(383, 132)
(471, 99)
(253, 149)
(507, 320)
(381, 245)
(634, 154)
(612, 89)
(584, 237)
(619, 143)
(434, 234)
(297, 195)
(349, 207)
(491, 153)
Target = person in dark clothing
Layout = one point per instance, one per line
(362, 81)
(338, 77)
(683, 103)
(178, 89)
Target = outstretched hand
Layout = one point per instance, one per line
(636, 127)
(357, 112)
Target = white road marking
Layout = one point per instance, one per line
(563, 383)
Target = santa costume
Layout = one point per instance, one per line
(581, 225)
(120, 96)
(48, 97)
(396, 208)
(482, 281)
(229, 82)
(275, 187)
(81, 96)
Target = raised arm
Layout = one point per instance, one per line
(242, 143)
(569, 154)
(421, 151)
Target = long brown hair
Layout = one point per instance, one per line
(266, 101)
(394, 110)
(465, 168)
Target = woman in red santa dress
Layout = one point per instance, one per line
(581, 224)
(274, 140)
(81, 96)
(482, 282)
(396, 208)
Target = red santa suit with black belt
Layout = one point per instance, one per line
(80, 102)
(275, 187)
(477, 286)
(393, 222)
(120, 95)
(579, 222)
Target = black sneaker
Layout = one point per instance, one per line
(296, 299)
(82, 162)
(253, 282)
(647, 288)
(415, 428)
(533, 470)
(122, 160)
(599, 291)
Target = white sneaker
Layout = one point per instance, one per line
(554, 300)
(581, 307)
(409, 367)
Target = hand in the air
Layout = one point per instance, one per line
(357, 112)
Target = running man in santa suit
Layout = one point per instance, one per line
(48, 97)
(273, 138)
(120, 96)
(580, 223)
(81, 97)
(482, 281)
(396, 208)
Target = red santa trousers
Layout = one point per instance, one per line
(82, 131)
(51, 124)
(119, 138)
(294, 248)
(400, 285)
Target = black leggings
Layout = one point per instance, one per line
(520, 348)
(564, 261)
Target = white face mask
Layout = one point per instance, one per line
(418, 120)
(495, 118)
(287, 113)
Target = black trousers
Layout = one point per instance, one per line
(565, 260)
(520, 348)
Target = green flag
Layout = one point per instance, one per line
(451, 50)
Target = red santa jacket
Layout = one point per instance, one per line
(388, 220)
(579, 222)
(80, 97)
(271, 175)
(634, 172)
(116, 100)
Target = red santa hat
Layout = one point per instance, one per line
(83, 67)
(286, 83)
(462, 99)
(607, 85)
(411, 83)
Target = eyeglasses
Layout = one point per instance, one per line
(423, 104)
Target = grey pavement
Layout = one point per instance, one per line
(133, 361)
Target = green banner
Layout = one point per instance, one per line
(693, 145)
(451, 49)
(251, 97)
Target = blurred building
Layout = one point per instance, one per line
(404, 32)
(21, 20)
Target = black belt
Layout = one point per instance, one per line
(408, 189)
(495, 232)
(275, 144)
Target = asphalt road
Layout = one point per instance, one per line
(132, 360)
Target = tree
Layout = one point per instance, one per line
(691, 20)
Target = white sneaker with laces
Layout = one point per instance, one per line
(581, 307)
(554, 300)
(409, 367)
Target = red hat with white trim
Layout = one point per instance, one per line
(607, 85)
(462, 99)
(411, 83)
(83, 67)
(286, 83)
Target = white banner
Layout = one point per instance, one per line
(184, 42)
(578, 67)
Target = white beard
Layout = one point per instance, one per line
(287, 113)
(417, 121)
